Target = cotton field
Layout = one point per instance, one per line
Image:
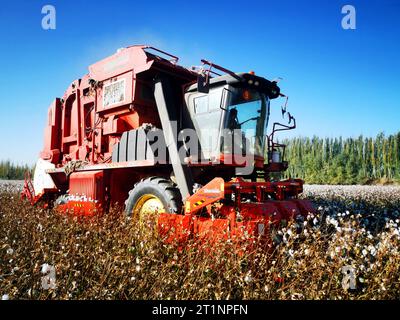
(13, 186)
(349, 250)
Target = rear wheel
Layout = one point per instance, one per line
(151, 197)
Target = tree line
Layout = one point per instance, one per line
(11, 171)
(361, 160)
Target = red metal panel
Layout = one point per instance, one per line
(174, 227)
(267, 210)
(88, 185)
(212, 230)
(52, 143)
(210, 193)
(114, 126)
(125, 60)
(289, 209)
(80, 208)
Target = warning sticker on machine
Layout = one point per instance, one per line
(114, 93)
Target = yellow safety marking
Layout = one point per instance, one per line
(199, 203)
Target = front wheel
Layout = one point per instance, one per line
(151, 197)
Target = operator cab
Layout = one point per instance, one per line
(230, 117)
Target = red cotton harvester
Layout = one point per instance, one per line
(187, 146)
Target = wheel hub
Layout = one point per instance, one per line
(147, 209)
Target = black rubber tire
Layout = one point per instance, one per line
(162, 188)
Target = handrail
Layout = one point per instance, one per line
(174, 58)
(213, 65)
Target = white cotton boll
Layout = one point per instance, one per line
(328, 219)
(10, 251)
(372, 250)
(45, 268)
(248, 278)
(5, 297)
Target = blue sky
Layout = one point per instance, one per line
(340, 82)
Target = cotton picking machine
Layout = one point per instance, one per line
(187, 147)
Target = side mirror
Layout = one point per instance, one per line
(203, 83)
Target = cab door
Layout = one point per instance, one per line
(207, 117)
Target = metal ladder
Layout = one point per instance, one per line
(28, 191)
